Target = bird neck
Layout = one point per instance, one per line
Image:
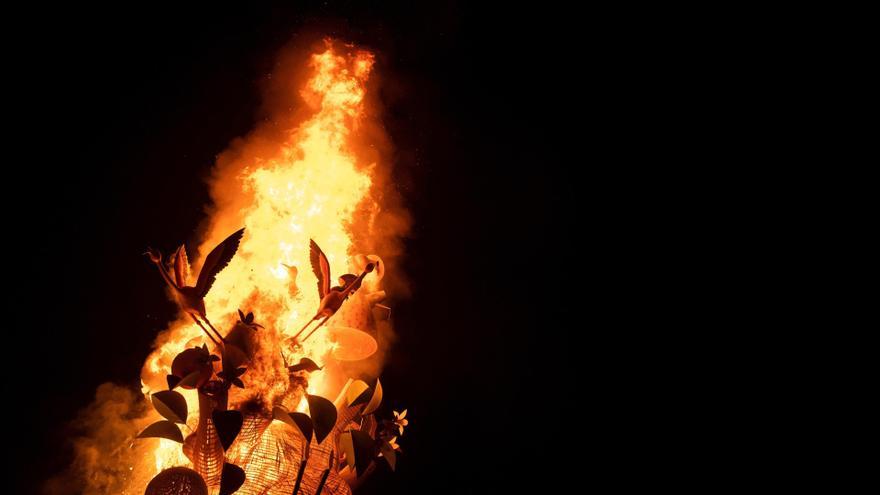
(166, 276)
(350, 287)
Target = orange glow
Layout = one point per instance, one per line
(309, 187)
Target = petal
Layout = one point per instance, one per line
(403, 414)
(404, 422)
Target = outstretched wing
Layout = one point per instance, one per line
(217, 261)
(321, 267)
(181, 266)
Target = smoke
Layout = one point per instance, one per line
(103, 448)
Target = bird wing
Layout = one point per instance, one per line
(217, 261)
(181, 266)
(321, 267)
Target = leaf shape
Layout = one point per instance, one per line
(389, 454)
(162, 429)
(190, 380)
(305, 364)
(364, 450)
(298, 420)
(173, 381)
(356, 393)
(228, 425)
(237, 382)
(346, 444)
(171, 405)
(305, 424)
(376, 400)
(231, 479)
(323, 414)
(240, 316)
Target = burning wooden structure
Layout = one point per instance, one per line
(245, 403)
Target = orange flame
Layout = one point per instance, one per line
(313, 185)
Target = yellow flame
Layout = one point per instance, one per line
(309, 189)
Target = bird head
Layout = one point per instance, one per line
(154, 254)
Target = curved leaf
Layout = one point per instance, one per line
(305, 364)
(173, 381)
(376, 400)
(162, 429)
(298, 420)
(389, 454)
(228, 425)
(231, 479)
(190, 380)
(346, 444)
(171, 405)
(356, 393)
(323, 414)
(305, 424)
(364, 450)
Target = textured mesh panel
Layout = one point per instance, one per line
(270, 453)
(203, 447)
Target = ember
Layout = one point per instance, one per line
(253, 422)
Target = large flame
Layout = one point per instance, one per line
(310, 187)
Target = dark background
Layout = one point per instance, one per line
(119, 117)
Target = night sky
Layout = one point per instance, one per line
(120, 120)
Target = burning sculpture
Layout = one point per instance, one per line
(231, 413)
(266, 456)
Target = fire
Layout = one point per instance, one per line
(310, 187)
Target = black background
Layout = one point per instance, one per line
(119, 117)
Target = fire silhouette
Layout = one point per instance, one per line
(323, 177)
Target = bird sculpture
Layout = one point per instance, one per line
(331, 297)
(192, 299)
